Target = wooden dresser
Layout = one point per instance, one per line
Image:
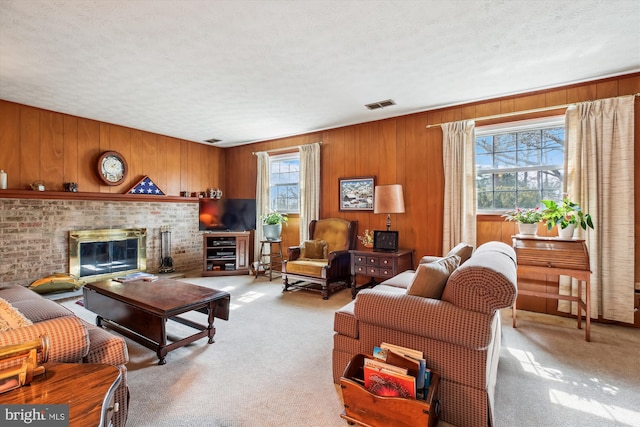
(551, 256)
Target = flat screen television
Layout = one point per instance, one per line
(227, 214)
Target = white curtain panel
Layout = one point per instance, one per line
(458, 146)
(599, 176)
(309, 187)
(262, 198)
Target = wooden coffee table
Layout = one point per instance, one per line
(139, 310)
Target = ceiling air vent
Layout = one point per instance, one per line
(381, 104)
(212, 140)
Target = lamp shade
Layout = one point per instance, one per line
(388, 199)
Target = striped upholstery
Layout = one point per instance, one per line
(459, 335)
(67, 335)
(72, 340)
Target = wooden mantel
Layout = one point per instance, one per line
(69, 195)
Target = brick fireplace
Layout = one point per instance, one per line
(107, 253)
(34, 234)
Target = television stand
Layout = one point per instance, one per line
(226, 253)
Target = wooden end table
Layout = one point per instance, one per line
(88, 389)
(378, 265)
(140, 310)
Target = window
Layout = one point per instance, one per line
(519, 163)
(284, 178)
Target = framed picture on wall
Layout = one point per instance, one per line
(356, 194)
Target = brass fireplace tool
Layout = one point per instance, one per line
(22, 360)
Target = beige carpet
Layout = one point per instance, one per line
(271, 366)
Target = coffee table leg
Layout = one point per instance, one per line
(162, 351)
(210, 328)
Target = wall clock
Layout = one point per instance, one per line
(112, 168)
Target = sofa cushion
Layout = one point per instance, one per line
(41, 309)
(18, 293)
(463, 250)
(430, 278)
(402, 280)
(10, 318)
(314, 250)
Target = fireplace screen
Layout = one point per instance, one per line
(102, 254)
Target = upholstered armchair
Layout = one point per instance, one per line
(322, 263)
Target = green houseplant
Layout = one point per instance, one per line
(527, 219)
(272, 224)
(566, 215)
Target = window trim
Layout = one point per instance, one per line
(280, 157)
(516, 126)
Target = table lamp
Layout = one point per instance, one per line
(388, 199)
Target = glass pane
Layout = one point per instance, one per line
(529, 140)
(485, 200)
(528, 180)
(484, 145)
(529, 157)
(505, 200)
(484, 182)
(506, 181)
(528, 199)
(552, 179)
(505, 160)
(553, 138)
(484, 161)
(552, 195)
(504, 142)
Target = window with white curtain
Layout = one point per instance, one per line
(519, 163)
(284, 178)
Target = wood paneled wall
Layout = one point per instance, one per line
(41, 145)
(37, 144)
(402, 150)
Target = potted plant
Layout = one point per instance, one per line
(272, 224)
(566, 215)
(527, 219)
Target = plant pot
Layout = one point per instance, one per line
(567, 232)
(272, 231)
(527, 229)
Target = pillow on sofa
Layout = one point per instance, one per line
(57, 282)
(430, 279)
(314, 249)
(463, 250)
(10, 318)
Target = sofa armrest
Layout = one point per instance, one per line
(426, 317)
(68, 338)
(106, 348)
(486, 282)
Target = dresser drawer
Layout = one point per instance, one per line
(360, 260)
(372, 260)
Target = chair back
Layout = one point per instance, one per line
(339, 234)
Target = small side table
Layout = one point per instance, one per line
(88, 389)
(378, 265)
(272, 259)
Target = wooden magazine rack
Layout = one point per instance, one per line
(22, 360)
(366, 409)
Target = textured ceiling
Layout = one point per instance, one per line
(244, 71)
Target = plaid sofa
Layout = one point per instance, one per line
(459, 334)
(72, 340)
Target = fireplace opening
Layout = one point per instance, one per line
(103, 254)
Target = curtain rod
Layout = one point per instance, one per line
(518, 113)
(275, 150)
